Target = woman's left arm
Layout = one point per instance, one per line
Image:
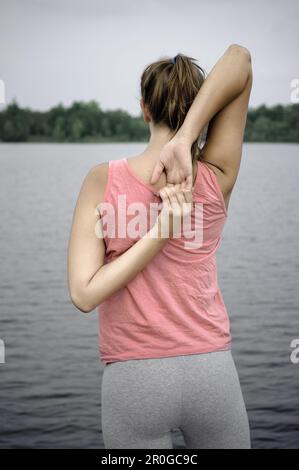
(90, 281)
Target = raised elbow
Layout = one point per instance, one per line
(240, 49)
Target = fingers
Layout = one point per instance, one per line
(171, 191)
(188, 195)
(158, 170)
(177, 203)
(176, 194)
(182, 195)
(164, 196)
(188, 182)
(176, 188)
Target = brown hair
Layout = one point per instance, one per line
(168, 88)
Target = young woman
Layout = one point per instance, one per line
(164, 331)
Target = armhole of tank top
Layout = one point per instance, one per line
(217, 189)
(109, 180)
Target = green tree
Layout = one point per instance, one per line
(59, 129)
(87, 121)
(77, 129)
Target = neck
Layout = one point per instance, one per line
(159, 137)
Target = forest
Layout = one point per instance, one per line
(88, 122)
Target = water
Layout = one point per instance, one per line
(50, 383)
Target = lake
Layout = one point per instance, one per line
(50, 388)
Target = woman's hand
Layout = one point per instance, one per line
(177, 206)
(175, 158)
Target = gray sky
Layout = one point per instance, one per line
(55, 51)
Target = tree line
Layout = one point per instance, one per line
(87, 122)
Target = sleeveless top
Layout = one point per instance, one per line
(174, 306)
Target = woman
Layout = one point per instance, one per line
(164, 333)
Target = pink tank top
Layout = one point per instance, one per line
(174, 306)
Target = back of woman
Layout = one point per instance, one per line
(164, 330)
(174, 305)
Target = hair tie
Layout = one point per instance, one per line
(174, 59)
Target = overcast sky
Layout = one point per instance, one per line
(55, 51)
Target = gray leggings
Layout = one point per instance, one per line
(144, 399)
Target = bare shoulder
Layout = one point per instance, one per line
(99, 173)
(95, 181)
